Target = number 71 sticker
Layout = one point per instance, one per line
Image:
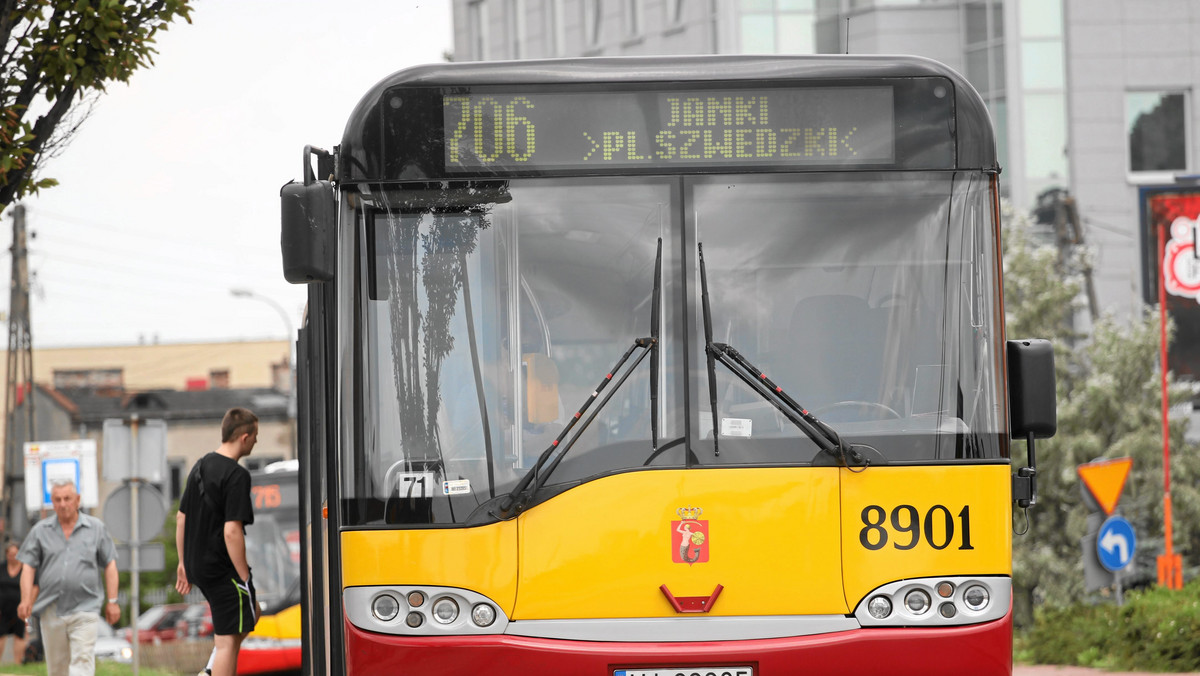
(415, 484)
(422, 485)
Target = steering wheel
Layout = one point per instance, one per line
(850, 405)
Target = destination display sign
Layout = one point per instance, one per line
(498, 130)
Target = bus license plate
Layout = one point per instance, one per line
(687, 671)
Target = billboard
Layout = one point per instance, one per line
(1173, 212)
(46, 461)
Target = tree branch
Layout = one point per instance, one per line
(42, 130)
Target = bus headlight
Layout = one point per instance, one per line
(936, 602)
(916, 602)
(976, 597)
(385, 607)
(445, 610)
(879, 607)
(483, 615)
(423, 611)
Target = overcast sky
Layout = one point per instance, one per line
(169, 195)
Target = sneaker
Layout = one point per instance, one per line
(205, 672)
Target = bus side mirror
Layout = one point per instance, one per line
(1032, 407)
(308, 236)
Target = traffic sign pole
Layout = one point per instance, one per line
(135, 539)
(1170, 564)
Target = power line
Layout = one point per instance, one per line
(1091, 222)
(172, 238)
(123, 253)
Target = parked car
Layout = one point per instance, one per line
(111, 647)
(159, 623)
(196, 621)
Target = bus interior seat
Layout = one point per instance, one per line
(541, 388)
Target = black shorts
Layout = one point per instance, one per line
(234, 608)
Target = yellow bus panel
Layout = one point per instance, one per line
(906, 522)
(606, 547)
(482, 559)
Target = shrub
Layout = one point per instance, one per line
(1155, 630)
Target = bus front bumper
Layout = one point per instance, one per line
(981, 649)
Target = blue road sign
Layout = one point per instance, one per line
(59, 468)
(1115, 543)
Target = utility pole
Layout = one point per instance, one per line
(1058, 209)
(1070, 214)
(19, 416)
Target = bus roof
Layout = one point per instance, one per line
(975, 138)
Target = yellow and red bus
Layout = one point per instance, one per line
(658, 366)
(273, 551)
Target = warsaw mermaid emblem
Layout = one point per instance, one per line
(689, 536)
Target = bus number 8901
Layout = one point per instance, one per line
(906, 519)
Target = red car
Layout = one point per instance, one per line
(159, 623)
(196, 621)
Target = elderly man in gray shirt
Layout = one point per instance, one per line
(68, 552)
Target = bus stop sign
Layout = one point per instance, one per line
(1115, 543)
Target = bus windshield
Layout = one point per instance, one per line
(492, 309)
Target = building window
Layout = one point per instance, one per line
(1156, 124)
(1045, 136)
(633, 18)
(1042, 64)
(758, 34)
(1041, 19)
(554, 28)
(983, 24)
(477, 30)
(218, 379)
(514, 15)
(777, 26)
(675, 12)
(592, 15)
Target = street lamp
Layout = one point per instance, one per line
(287, 322)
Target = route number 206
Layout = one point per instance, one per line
(907, 526)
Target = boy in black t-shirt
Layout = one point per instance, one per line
(211, 538)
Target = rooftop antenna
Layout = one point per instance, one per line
(847, 35)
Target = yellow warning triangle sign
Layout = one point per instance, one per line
(1105, 479)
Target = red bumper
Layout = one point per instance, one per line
(268, 660)
(982, 649)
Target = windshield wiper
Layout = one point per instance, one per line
(535, 478)
(825, 436)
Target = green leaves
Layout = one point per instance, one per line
(1109, 406)
(56, 50)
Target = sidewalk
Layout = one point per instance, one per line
(1042, 670)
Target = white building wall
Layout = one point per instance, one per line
(1116, 46)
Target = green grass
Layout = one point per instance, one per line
(103, 668)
